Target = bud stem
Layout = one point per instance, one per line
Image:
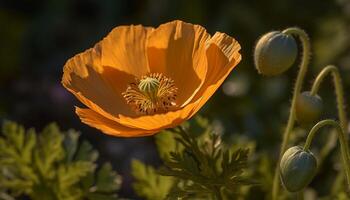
(343, 143)
(339, 92)
(330, 69)
(297, 88)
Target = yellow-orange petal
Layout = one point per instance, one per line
(98, 87)
(124, 48)
(159, 121)
(181, 51)
(177, 49)
(108, 126)
(222, 56)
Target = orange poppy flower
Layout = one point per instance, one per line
(139, 80)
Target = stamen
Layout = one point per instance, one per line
(151, 94)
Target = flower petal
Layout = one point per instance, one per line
(124, 48)
(177, 49)
(97, 87)
(108, 126)
(183, 52)
(159, 121)
(222, 56)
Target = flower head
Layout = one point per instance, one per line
(139, 80)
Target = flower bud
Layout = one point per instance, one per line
(297, 168)
(275, 53)
(308, 108)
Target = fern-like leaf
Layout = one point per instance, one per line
(53, 166)
(149, 184)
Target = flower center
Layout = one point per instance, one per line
(151, 94)
(149, 87)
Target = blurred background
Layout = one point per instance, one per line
(37, 37)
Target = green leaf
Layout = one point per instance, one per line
(107, 180)
(205, 165)
(70, 174)
(29, 146)
(166, 143)
(148, 183)
(102, 185)
(16, 147)
(49, 151)
(86, 152)
(14, 134)
(52, 165)
(70, 144)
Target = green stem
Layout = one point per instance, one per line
(297, 88)
(343, 144)
(330, 69)
(339, 92)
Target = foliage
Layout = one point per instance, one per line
(149, 184)
(52, 165)
(197, 164)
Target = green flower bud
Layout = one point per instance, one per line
(308, 108)
(297, 168)
(275, 53)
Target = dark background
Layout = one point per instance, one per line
(37, 37)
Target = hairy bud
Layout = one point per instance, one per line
(308, 108)
(297, 168)
(275, 53)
